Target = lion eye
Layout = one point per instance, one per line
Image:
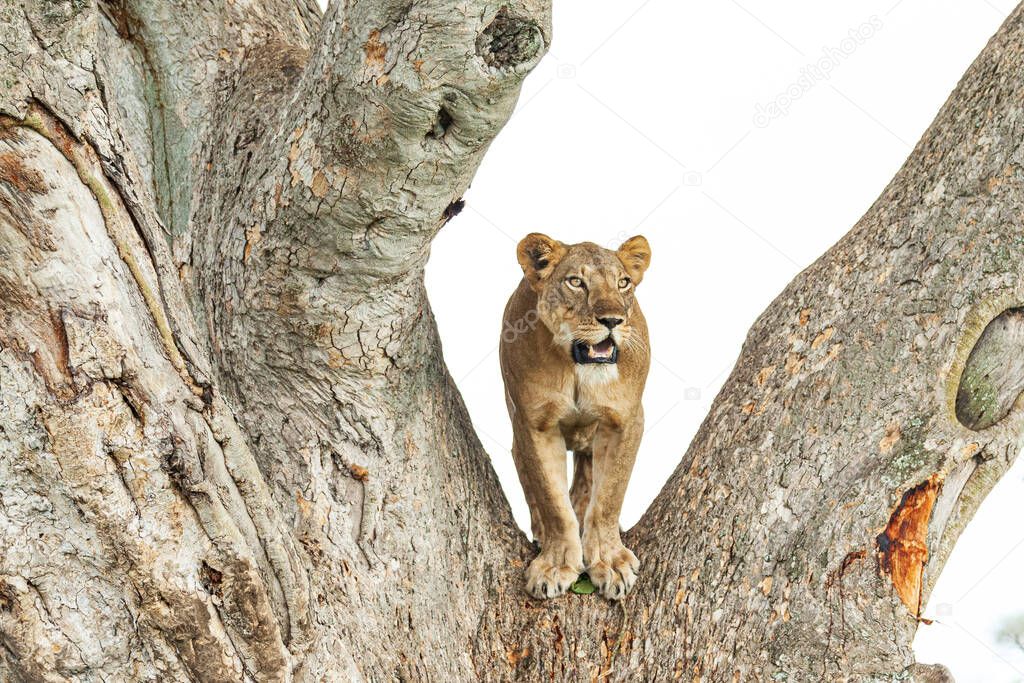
(624, 282)
(574, 282)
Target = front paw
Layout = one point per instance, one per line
(553, 571)
(612, 568)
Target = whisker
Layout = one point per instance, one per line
(634, 343)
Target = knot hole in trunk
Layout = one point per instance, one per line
(509, 41)
(993, 378)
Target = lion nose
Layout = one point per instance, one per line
(610, 323)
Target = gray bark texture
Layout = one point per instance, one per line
(229, 446)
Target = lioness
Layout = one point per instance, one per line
(574, 382)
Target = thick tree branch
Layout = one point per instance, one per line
(326, 184)
(186, 56)
(820, 498)
(238, 545)
(145, 456)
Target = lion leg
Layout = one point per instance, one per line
(579, 492)
(611, 565)
(536, 523)
(540, 462)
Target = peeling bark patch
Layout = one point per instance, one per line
(375, 50)
(903, 546)
(59, 378)
(252, 237)
(508, 41)
(514, 656)
(822, 338)
(319, 185)
(993, 378)
(14, 173)
(891, 438)
(43, 341)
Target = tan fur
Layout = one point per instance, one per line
(557, 405)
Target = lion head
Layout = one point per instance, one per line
(586, 294)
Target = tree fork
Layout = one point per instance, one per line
(227, 423)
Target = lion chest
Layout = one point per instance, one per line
(578, 409)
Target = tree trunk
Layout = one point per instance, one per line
(229, 446)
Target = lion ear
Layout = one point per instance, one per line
(635, 254)
(538, 255)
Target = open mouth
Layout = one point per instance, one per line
(602, 352)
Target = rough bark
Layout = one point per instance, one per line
(229, 447)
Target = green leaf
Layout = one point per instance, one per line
(583, 585)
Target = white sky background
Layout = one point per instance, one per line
(641, 119)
